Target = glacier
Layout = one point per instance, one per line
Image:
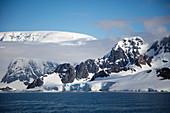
(60, 37)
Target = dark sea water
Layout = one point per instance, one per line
(85, 102)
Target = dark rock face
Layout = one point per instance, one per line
(83, 70)
(6, 89)
(125, 52)
(163, 45)
(23, 70)
(166, 44)
(148, 59)
(116, 69)
(143, 60)
(164, 61)
(66, 73)
(99, 74)
(149, 71)
(91, 66)
(164, 73)
(116, 58)
(140, 61)
(154, 46)
(36, 83)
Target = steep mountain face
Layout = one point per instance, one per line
(83, 70)
(26, 69)
(63, 38)
(126, 52)
(66, 73)
(159, 47)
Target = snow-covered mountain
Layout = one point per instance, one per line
(25, 70)
(132, 64)
(126, 52)
(63, 38)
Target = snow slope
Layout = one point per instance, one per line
(63, 38)
(141, 81)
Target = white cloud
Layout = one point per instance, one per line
(153, 28)
(108, 25)
(157, 26)
(52, 52)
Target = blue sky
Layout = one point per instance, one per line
(99, 18)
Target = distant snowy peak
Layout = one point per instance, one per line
(23, 69)
(63, 38)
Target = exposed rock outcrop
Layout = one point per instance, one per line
(99, 74)
(83, 70)
(6, 89)
(164, 73)
(36, 83)
(160, 46)
(143, 60)
(66, 72)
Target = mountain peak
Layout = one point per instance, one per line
(130, 43)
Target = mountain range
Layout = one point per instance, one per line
(131, 65)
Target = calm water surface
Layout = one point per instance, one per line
(85, 102)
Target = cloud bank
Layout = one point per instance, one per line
(157, 26)
(153, 28)
(119, 24)
(52, 52)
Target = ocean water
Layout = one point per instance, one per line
(85, 102)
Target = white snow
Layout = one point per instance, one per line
(63, 38)
(52, 80)
(141, 81)
(16, 85)
(96, 86)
